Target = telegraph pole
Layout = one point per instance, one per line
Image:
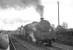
(58, 14)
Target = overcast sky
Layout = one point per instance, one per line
(11, 18)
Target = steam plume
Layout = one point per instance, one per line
(20, 3)
(40, 10)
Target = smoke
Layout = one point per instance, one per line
(18, 3)
(31, 2)
(21, 4)
(40, 9)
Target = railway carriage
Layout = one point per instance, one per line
(4, 41)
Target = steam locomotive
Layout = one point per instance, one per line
(39, 32)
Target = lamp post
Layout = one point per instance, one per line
(58, 14)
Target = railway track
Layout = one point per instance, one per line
(19, 44)
(16, 45)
